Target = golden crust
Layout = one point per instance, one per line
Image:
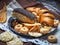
(47, 21)
(3, 14)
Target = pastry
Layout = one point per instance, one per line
(45, 30)
(37, 11)
(18, 27)
(24, 30)
(48, 15)
(15, 41)
(52, 38)
(38, 18)
(31, 9)
(35, 28)
(23, 15)
(47, 19)
(35, 34)
(6, 36)
(34, 13)
(29, 26)
(3, 13)
(56, 22)
(42, 11)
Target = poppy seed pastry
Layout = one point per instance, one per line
(6, 36)
(23, 15)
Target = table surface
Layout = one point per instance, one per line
(42, 41)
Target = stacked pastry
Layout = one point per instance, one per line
(10, 39)
(39, 21)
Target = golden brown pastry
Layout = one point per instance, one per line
(45, 29)
(34, 13)
(56, 22)
(24, 30)
(48, 15)
(52, 38)
(38, 19)
(47, 19)
(33, 27)
(3, 14)
(42, 11)
(29, 27)
(37, 11)
(18, 27)
(35, 24)
(31, 9)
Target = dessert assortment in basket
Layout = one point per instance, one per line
(42, 23)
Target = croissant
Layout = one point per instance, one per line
(47, 19)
